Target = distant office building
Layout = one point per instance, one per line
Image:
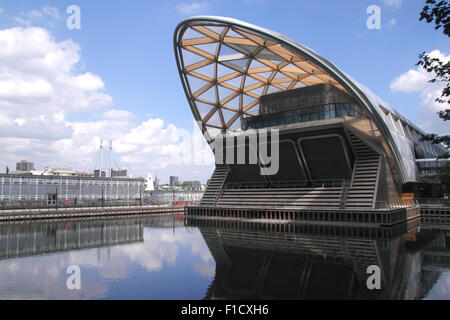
(96, 173)
(118, 173)
(24, 166)
(174, 181)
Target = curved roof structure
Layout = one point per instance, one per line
(226, 65)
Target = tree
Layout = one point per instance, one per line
(439, 13)
(187, 185)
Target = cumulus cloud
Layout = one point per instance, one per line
(40, 88)
(417, 80)
(47, 15)
(193, 7)
(391, 23)
(393, 3)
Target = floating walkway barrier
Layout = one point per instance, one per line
(67, 213)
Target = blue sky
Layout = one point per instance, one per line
(128, 44)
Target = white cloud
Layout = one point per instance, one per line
(393, 3)
(44, 16)
(40, 88)
(1, 10)
(193, 7)
(52, 12)
(118, 115)
(417, 80)
(391, 23)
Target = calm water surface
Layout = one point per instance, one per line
(170, 257)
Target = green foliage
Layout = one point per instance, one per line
(187, 185)
(439, 13)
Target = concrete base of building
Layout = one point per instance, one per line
(383, 217)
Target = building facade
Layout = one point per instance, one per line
(340, 146)
(24, 166)
(46, 188)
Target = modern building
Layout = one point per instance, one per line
(24, 166)
(119, 173)
(28, 187)
(340, 146)
(174, 181)
(97, 173)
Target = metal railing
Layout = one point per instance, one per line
(434, 202)
(99, 203)
(286, 184)
(395, 204)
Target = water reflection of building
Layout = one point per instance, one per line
(269, 261)
(28, 239)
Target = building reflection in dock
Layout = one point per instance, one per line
(295, 261)
(28, 239)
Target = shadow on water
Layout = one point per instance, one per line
(264, 260)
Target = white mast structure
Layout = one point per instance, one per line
(110, 155)
(100, 159)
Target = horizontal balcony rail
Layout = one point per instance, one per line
(320, 205)
(434, 202)
(395, 204)
(286, 184)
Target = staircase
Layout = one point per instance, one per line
(362, 190)
(215, 186)
(318, 197)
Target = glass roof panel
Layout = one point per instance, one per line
(203, 108)
(195, 83)
(211, 48)
(233, 103)
(227, 115)
(224, 92)
(207, 70)
(269, 55)
(254, 110)
(235, 82)
(190, 58)
(272, 89)
(258, 91)
(250, 81)
(209, 95)
(223, 70)
(246, 100)
(226, 50)
(232, 33)
(215, 119)
(216, 29)
(192, 34)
